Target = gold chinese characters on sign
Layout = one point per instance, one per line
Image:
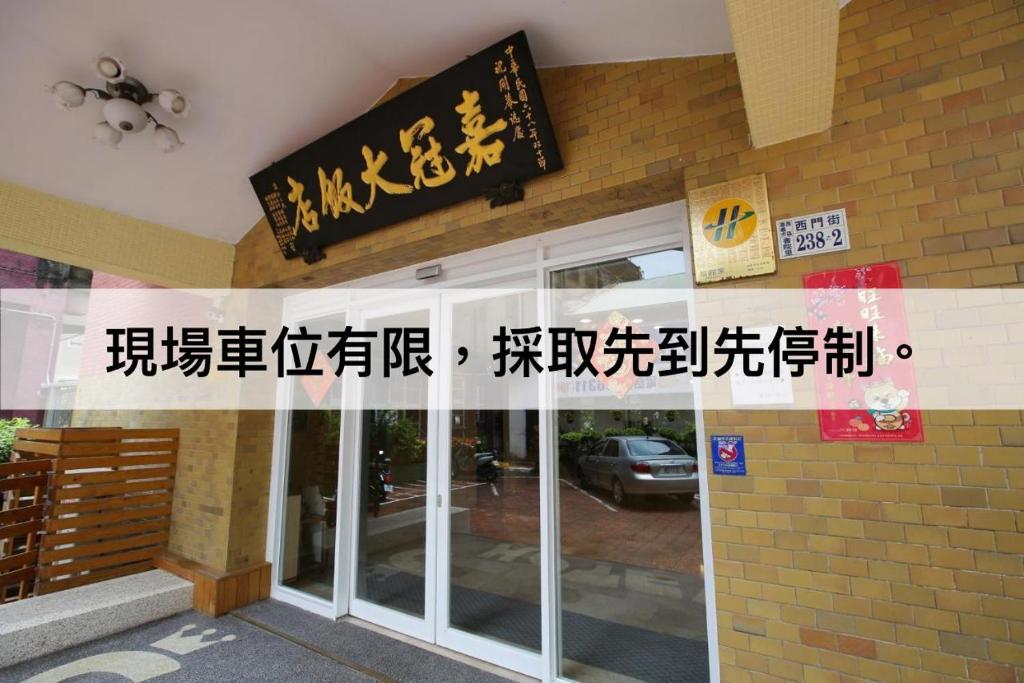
(477, 129)
(730, 229)
(336, 196)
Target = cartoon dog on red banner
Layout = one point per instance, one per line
(886, 405)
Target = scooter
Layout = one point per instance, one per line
(379, 482)
(487, 469)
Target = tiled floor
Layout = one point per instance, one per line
(186, 647)
(267, 641)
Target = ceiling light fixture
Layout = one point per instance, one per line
(124, 98)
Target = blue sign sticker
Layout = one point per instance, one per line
(727, 455)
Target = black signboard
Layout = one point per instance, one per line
(479, 128)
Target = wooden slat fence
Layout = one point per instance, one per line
(108, 509)
(24, 487)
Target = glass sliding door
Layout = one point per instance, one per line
(392, 514)
(394, 462)
(309, 516)
(490, 592)
(494, 550)
(631, 584)
(310, 511)
(511, 530)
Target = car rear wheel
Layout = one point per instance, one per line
(581, 477)
(684, 498)
(619, 496)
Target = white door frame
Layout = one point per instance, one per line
(297, 310)
(421, 628)
(509, 656)
(550, 490)
(658, 227)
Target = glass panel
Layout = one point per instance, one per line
(310, 510)
(631, 578)
(495, 486)
(392, 516)
(495, 526)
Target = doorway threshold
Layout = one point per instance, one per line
(373, 650)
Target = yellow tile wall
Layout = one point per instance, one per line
(50, 227)
(250, 496)
(203, 510)
(221, 489)
(46, 226)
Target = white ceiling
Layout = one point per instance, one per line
(266, 77)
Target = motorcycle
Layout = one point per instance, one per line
(487, 469)
(379, 482)
(485, 465)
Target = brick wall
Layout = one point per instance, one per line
(871, 562)
(202, 515)
(221, 490)
(250, 496)
(838, 561)
(50, 227)
(120, 248)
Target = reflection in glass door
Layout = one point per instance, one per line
(489, 579)
(578, 559)
(477, 588)
(392, 514)
(491, 529)
(631, 573)
(310, 511)
(494, 572)
(393, 518)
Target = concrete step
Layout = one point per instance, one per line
(49, 623)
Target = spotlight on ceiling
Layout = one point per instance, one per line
(124, 105)
(109, 68)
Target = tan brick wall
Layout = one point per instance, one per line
(50, 227)
(250, 489)
(221, 491)
(838, 561)
(203, 510)
(848, 561)
(42, 225)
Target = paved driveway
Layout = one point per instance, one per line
(659, 533)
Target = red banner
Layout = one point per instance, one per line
(877, 405)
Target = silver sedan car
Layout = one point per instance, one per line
(631, 466)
